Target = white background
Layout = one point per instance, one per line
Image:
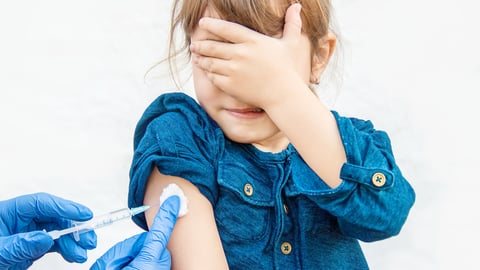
(72, 88)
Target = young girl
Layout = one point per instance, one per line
(274, 179)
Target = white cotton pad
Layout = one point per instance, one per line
(174, 189)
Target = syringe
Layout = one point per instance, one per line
(98, 222)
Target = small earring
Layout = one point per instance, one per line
(315, 80)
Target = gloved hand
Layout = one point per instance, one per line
(22, 220)
(147, 250)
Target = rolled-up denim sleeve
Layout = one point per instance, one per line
(172, 139)
(374, 199)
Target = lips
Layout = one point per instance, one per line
(247, 110)
(246, 113)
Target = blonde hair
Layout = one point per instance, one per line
(264, 16)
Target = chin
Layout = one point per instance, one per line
(240, 136)
(239, 139)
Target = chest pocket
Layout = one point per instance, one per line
(244, 207)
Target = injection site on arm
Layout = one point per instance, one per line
(174, 190)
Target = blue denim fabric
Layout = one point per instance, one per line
(267, 205)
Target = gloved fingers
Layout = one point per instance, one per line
(121, 254)
(154, 253)
(20, 250)
(73, 251)
(162, 227)
(88, 240)
(22, 265)
(163, 263)
(43, 207)
(66, 247)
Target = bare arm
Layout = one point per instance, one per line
(195, 242)
(319, 142)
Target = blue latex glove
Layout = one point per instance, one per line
(147, 250)
(22, 220)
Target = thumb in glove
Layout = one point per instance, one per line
(22, 249)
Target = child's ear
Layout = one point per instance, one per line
(321, 57)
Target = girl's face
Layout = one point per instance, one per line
(240, 122)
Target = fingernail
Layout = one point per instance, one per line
(298, 7)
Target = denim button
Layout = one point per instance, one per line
(379, 179)
(248, 190)
(286, 248)
(285, 209)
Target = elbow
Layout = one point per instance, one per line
(383, 225)
(393, 215)
(377, 235)
(371, 233)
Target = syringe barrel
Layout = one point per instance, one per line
(106, 219)
(98, 222)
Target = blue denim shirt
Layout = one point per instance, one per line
(272, 210)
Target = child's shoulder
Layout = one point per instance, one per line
(175, 116)
(352, 129)
(357, 123)
(177, 107)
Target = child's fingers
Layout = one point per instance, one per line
(213, 65)
(293, 22)
(216, 70)
(229, 31)
(221, 81)
(212, 48)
